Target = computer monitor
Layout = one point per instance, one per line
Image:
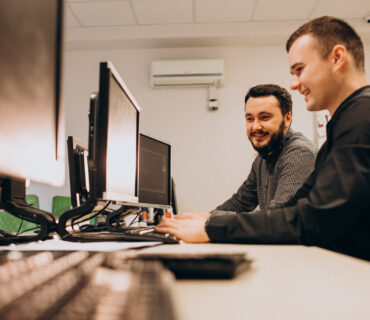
(82, 160)
(78, 171)
(117, 134)
(154, 171)
(93, 113)
(31, 124)
(112, 151)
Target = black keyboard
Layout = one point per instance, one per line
(82, 285)
(149, 234)
(128, 234)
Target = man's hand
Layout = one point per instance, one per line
(189, 230)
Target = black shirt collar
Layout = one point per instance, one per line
(344, 105)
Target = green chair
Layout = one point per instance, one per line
(60, 204)
(33, 200)
(13, 224)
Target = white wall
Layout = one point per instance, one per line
(211, 155)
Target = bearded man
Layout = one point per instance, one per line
(285, 158)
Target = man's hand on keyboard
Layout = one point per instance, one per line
(186, 229)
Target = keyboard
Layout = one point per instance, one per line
(149, 234)
(83, 285)
(128, 234)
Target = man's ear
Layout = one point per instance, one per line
(288, 121)
(339, 56)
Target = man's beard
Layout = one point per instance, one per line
(275, 143)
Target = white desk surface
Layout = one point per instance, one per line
(284, 282)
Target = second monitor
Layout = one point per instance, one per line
(155, 183)
(154, 171)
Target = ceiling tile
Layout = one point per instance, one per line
(103, 13)
(163, 11)
(282, 10)
(223, 10)
(342, 8)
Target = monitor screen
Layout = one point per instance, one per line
(78, 171)
(31, 124)
(154, 171)
(117, 135)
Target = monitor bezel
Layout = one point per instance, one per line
(106, 70)
(169, 182)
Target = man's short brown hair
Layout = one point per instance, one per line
(281, 94)
(330, 31)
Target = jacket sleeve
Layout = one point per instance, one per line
(337, 209)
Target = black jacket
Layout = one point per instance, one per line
(332, 209)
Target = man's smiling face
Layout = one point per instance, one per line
(312, 74)
(265, 122)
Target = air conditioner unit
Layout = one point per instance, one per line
(189, 73)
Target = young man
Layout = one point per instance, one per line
(285, 158)
(332, 209)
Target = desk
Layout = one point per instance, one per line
(284, 282)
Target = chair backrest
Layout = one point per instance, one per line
(13, 224)
(60, 204)
(33, 200)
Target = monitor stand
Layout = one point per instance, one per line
(13, 201)
(68, 218)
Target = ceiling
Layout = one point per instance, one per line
(188, 23)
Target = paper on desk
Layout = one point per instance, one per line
(60, 245)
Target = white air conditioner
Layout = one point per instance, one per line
(187, 73)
